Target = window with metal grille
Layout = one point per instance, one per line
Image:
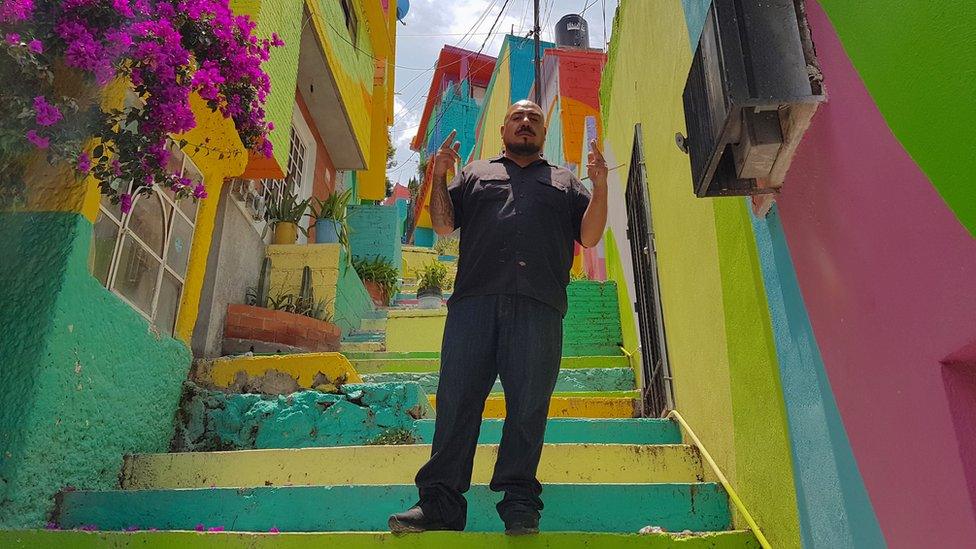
(256, 194)
(142, 255)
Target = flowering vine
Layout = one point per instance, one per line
(166, 49)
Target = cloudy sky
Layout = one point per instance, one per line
(431, 24)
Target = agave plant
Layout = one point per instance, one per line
(288, 210)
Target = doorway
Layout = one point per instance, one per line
(656, 391)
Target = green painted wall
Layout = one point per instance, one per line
(937, 40)
(278, 16)
(720, 346)
(84, 377)
(592, 323)
(352, 300)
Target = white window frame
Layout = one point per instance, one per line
(251, 201)
(160, 197)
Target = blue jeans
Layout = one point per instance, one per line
(519, 340)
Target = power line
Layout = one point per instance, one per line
(410, 103)
(587, 6)
(444, 108)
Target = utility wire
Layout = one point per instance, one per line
(444, 108)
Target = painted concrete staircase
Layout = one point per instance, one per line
(607, 475)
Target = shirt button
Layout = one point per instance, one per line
(521, 264)
(521, 195)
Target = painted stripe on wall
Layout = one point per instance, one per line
(835, 511)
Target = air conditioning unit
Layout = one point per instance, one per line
(753, 87)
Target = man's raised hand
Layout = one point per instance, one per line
(447, 156)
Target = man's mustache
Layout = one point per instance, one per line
(525, 129)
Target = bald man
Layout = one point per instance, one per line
(519, 216)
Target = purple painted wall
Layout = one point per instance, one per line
(889, 278)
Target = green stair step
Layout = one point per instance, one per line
(569, 507)
(570, 380)
(578, 431)
(32, 539)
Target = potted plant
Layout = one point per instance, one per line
(381, 278)
(284, 217)
(433, 280)
(330, 218)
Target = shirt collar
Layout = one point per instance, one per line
(502, 157)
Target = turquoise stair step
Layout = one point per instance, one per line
(578, 431)
(570, 380)
(388, 362)
(569, 507)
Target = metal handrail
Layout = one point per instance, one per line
(725, 482)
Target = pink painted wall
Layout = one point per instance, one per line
(889, 279)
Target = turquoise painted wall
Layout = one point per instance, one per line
(457, 110)
(376, 230)
(834, 507)
(592, 323)
(84, 379)
(352, 300)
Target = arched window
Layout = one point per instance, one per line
(142, 256)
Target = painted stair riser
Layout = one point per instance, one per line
(567, 464)
(33, 539)
(362, 346)
(571, 380)
(577, 430)
(373, 325)
(581, 508)
(375, 363)
(568, 406)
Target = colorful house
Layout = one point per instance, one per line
(823, 344)
(457, 92)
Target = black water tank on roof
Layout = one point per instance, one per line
(572, 32)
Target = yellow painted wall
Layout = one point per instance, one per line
(496, 105)
(718, 335)
(371, 183)
(288, 262)
(419, 330)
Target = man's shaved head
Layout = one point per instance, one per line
(524, 129)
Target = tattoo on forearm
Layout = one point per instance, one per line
(441, 208)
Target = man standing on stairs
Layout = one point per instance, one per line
(519, 216)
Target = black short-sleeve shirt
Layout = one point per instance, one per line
(518, 228)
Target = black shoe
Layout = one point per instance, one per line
(521, 525)
(413, 520)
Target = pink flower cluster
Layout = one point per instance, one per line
(168, 49)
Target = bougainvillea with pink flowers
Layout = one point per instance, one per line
(166, 49)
